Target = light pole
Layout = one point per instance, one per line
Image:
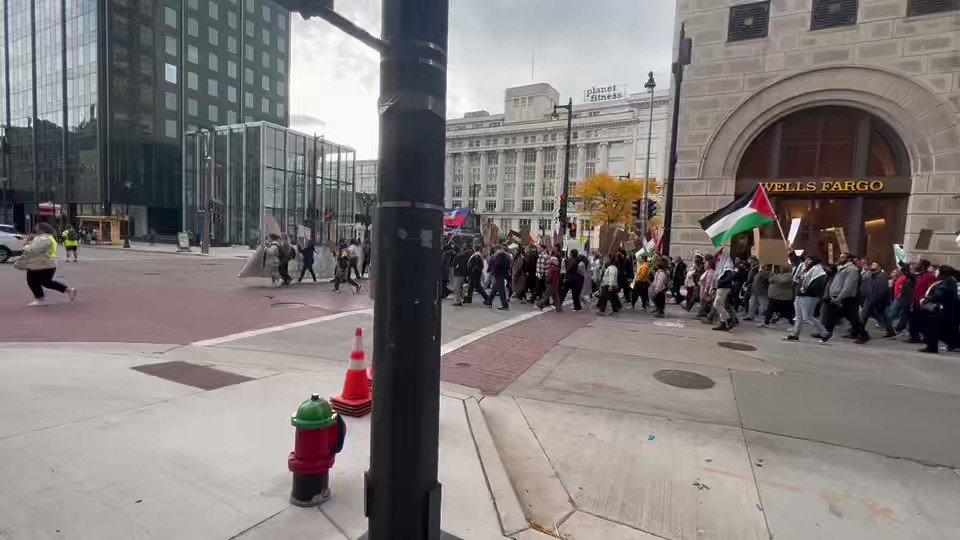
(684, 51)
(565, 194)
(208, 194)
(650, 86)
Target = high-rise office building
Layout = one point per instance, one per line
(97, 95)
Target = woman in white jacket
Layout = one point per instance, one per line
(608, 288)
(39, 260)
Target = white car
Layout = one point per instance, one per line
(10, 246)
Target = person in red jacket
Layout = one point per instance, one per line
(552, 281)
(923, 280)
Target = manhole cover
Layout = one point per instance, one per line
(287, 305)
(683, 379)
(462, 364)
(736, 346)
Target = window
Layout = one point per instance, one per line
(544, 224)
(248, 52)
(265, 59)
(265, 36)
(508, 206)
(194, 4)
(831, 13)
(214, 11)
(170, 45)
(248, 75)
(281, 88)
(749, 21)
(924, 7)
(281, 21)
(213, 63)
(249, 4)
(170, 73)
(280, 110)
(192, 107)
(213, 37)
(248, 28)
(212, 87)
(192, 27)
(491, 190)
(281, 44)
(265, 105)
(456, 204)
(265, 82)
(458, 191)
(232, 44)
(170, 16)
(170, 100)
(546, 206)
(192, 54)
(213, 114)
(231, 69)
(193, 82)
(280, 66)
(248, 100)
(231, 117)
(490, 206)
(232, 94)
(549, 189)
(266, 13)
(528, 189)
(170, 129)
(232, 20)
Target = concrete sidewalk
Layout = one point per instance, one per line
(94, 449)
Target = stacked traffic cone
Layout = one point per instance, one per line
(370, 374)
(355, 400)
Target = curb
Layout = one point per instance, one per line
(158, 252)
(509, 510)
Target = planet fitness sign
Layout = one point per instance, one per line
(597, 94)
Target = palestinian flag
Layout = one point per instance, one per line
(744, 214)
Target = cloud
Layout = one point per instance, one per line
(571, 44)
(303, 121)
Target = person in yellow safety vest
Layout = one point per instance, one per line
(641, 284)
(71, 239)
(39, 260)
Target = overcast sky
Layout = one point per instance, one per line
(571, 44)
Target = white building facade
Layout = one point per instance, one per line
(368, 178)
(509, 167)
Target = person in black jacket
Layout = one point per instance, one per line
(679, 275)
(474, 275)
(446, 260)
(875, 297)
(501, 271)
(940, 312)
(460, 274)
(811, 282)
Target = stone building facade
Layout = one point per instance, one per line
(848, 111)
(509, 167)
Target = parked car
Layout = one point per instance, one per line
(10, 246)
(9, 229)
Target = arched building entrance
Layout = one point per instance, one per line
(843, 171)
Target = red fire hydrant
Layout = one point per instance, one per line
(319, 438)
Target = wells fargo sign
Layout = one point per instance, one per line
(825, 186)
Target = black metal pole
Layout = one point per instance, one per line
(566, 172)
(402, 492)
(683, 59)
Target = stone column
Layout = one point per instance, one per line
(518, 191)
(538, 184)
(448, 182)
(483, 181)
(581, 161)
(500, 167)
(603, 157)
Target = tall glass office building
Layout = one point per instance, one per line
(261, 176)
(97, 94)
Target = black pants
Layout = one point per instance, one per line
(307, 265)
(915, 323)
(937, 328)
(366, 264)
(784, 308)
(605, 295)
(354, 267)
(285, 271)
(879, 313)
(660, 302)
(499, 289)
(550, 295)
(848, 309)
(624, 283)
(476, 285)
(37, 280)
(343, 275)
(576, 286)
(641, 290)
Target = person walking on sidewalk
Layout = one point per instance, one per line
(500, 273)
(780, 296)
(354, 250)
(902, 298)
(759, 288)
(551, 282)
(843, 293)
(342, 273)
(875, 292)
(308, 251)
(71, 240)
(459, 274)
(940, 312)
(572, 280)
(724, 284)
(609, 288)
(641, 285)
(811, 283)
(367, 250)
(287, 253)
(39, 260)
(518, 277)
(923, 279)
(475, 276)
(679, 277)
(658, 289)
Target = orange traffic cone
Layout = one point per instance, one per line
(355, 400)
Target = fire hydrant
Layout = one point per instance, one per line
(319, 438)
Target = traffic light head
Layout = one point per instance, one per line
(651, 208)
(637, 209)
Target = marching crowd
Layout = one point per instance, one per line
(920, 300)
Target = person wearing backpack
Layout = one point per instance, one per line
(71, 239)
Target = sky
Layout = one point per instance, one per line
(493, 44)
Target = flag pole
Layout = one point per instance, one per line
(777, 218)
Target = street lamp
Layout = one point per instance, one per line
(684, 51)
(565, 194)
(650, 86)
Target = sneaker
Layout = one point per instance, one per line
(790, 338)
(849, 336)
(460, 304)
(502, 308)
(862, 340)
(748, 318)
(660, 315)
(763, 325)
(72, 293)
(37, 302)
(929, 350)
(890, 335)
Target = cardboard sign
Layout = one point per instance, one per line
(271, 225)
(183, 241)
(923, 241)
(770, 251)
(842, 240)
(830, 253)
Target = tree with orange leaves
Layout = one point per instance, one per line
(609, 200)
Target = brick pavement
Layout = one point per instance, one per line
(494, 361)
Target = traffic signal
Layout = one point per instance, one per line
(637, 209)
(651, 208)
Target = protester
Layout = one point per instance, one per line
(693, 281)
(518, 277)
(39, 260)
(678, 277)
(875, 297)
(530, 270)
(723, 279)
(641, 285)
(460, 274)
(541, 273)
(759, 287)
(286, 254)
(624, 271)
(811, 285)
(308, 252)
(446, 259)
(551, 283)
(367, 251)
(500, 264)
(658, 289)
(475, 276)
(707, 291)
(573, 279)
(354, 250)
(780, 295)
(922, 281)
(609, 284)
(271, 260)
(586, 274)
(342, 273)
(940, 312)
(843, 292)
(902, 298)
